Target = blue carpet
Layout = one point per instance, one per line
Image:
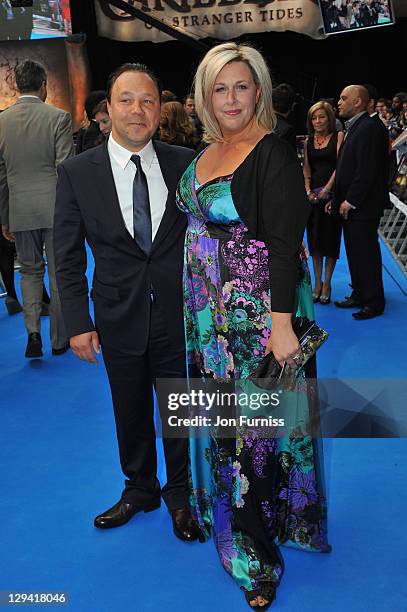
(59, 468)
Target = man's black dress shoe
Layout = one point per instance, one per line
(348, 302)
(366, 313)
(121, 513)
(61, 350)
(184, 526)
(34, 345)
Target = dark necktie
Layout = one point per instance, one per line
(141, 208)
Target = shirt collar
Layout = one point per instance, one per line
(352, 120)
(122, 156)
(29, 96)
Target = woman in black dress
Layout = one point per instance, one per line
(323, 230)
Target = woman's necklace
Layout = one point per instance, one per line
(320, 141)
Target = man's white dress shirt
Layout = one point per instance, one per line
(124, 171)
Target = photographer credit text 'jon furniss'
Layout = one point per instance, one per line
(215, 402)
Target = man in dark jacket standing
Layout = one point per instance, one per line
(120, 197)
(283, 104)
(361, 195)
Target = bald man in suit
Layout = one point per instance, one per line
(360, 196)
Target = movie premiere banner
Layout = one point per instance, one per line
(219, 19)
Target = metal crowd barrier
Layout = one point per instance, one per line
(393, 231)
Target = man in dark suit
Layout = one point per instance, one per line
(283, 104)
(371, 109)
(361, 195)
(121, 198)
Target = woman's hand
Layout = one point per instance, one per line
(328, 207)
(324, 195)
(283, 341)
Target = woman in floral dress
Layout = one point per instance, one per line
(245, 275)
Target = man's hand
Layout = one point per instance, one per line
(85, 346)
(7, 234)
(344, 209)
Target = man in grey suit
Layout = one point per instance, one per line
(34, 139)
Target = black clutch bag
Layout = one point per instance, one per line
(269, 374)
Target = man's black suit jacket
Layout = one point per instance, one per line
(363, 168)
(87, 206)
(285, 130)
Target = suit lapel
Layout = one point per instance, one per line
(349, 135)
(354, 128)
(106, 188)
(166, 159)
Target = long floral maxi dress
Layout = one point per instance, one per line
(251, 492)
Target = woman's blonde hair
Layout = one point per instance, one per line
(325, 106)
(205, 78)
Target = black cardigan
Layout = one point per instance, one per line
(269, 194)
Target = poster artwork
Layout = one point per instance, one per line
(219, 19)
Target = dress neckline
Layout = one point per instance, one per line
(224, 176)
(321, 148)
(212, 180)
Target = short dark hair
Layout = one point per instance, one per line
(100, 108)
(131, 67)
(30, 75)
(189, 96)
(372, 91)
(283, 98)
(168, 96)
(92, 100)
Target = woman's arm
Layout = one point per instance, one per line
(307, 168)
(269, 195)
(328, 187)
(282, 218)
(284, 213)
(339, 142)
(307, 174)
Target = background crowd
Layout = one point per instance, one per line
(347, 14)
(180, 125)
(17, 22)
